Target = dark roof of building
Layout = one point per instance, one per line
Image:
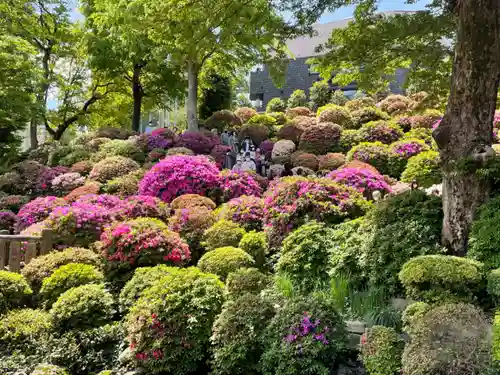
(305, 46)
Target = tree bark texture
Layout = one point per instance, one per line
(465, 133)
(138, 94)
(192, 99)
(33, 134)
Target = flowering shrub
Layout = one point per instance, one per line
(380, 131)
(363, 180)
(367, 114)
(67, 182)
(179, 151)
(144, 206)
(330, 161)
(276, 105)
(37, 210)
(258, 133)
(304, 122)
(47, 369)
(222, 233)
(291, 201)
(224, 260)
(424, 169)
(244, 210)
(235, 184)
(198, 142)
(381, 350)
(31, 178)
(348, 139)
(282, 151)
(112, 167)
(321, 138)
(14, 289)
(303, 159)
(306, 333)
(395, 104)
(356, 104)
(118, 147)
(8, 221)
(91, 187)
(141, 242)
(82, 167)
(126, 185)
(373, 153)
(169, 328)
(245, 113)
(401, 151)
(334, 114)
(158, 142)
(178, 175)
(219, 154)
(291, 132)
(266, 148)
(297, 111)
(191, 201)
(109, 202)
(221, 120)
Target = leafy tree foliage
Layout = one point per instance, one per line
(215, 95)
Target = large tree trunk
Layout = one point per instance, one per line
(465, 133)
(33, 134)
(138, 94)
(192, 99)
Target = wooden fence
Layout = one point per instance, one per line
(16, 250)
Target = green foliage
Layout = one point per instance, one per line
(304, 256)
(297, 99)
(67, 277)
(339, 98)
(126, 185)
(77, 155)
(14, 289)
(215, 96)
(414, 311)
(246, 280)
(496, 339)
(112, 167)
(237, 335)
(493, 286)
(423, 168)
(319, 94)
(485, 235)
(336, 114)
(20, 330)
(255, 244)
(435, 278)
(85, 306)
(381, 351)
(374, 153)
(367, 114)
(420, 133)
(264, 119)
(316, 356)
(184, 307)
(449, 339)
(43, 266)
(276, 105)
(348, 139)
(46, 369)
(224, 260)
(222, 233)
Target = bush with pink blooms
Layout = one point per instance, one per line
(158, 142)
(363, 180)
(248, 211)
(38, 210)
(178, 175)
(144, 206)
(235, 184)
(66, 182)
(321, 138)
(199, 142)
(8, 221)
(13, 202)
(380, 131)
(219, 154)
(107, 201)
(401, 151)
(266, 148)
(245, 113)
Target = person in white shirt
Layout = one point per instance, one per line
(248, 164)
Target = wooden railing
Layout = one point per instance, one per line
(18, 249)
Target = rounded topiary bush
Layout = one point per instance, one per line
(381, 350)
(266, 148)
(355, 104)
(225, 260)
(330, 161)
(191, 201)
(258, 133)
(363, 180)
(485, 235)
(335, 114)
(91, 187)
(380, 131)
(373, 153)
(222, 120)
(234, 184)
(14, 289)
(169, 327)
(436, 278)
(297, 111)
(276, 105)
(144, 206)
(37, 210)
(255, 244)
(44, 266)
(198, 142)
(282, 151)
(179, 151)
(8, 221)
(223, 233)
(113, 133)
(47, 369)
(246, 280)
(304, 256)
(367, 114)
(83, 307)
(126, 185)
(321, 138)
(403, 150)
(348, 139)
(178, 175)
(66, 182)
(395, 104)
(112, 167)
(246, 210)
(245, 113)
(265, 119)
(67, 277)
(310, 326)
(423, 168)
(13, 202)
(304, 159)
(290, 132)
(304, 122)
(298, 98)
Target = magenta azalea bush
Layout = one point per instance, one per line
(198, 142)
(144, 206)
(219, 154)
(408, 148)
(8, 221)
(106, 201)
(363, 180)
(235, 184)
(38, 210)
(248, 211)
(178, 175)
(266, 148)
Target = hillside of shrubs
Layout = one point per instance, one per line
(165, 263)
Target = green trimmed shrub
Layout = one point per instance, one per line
(126, 185)
(493, 286)
(424, 169)
(414, 311)
(112, 167)
(20, 329)
(449, 339)
(14, 289)
(67, 277)
(183, 307)
(224, 260)
(246, 280)
(358, 103)
(43, 266)
(118, 147)
(321, 138)
(484, 241)
(304, 256)
(437, 278)
(339, 98)
(315, 352)
(319, 94)
(366, 114)
(280, 118)
(298, 98)
(420, 133)
(222, 233)
(46, 369)
(348, 139)
(376, 154)
(255, 244)
(335, 114)
(265, 119)
(276, 105)
(74, 157)
(237, 335)
(381, 351)
(85, 306)
(258, 133)
(380, 131)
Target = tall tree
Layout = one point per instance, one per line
(121, 48)
(216, 93)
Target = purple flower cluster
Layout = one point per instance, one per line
(178, 175)
(198, 142)
(436, 123)
(158, 141)
(109, 202)
(266, 148)
(8, 221)
(235, 184)
(380, 131)
(407, 149)
(363, 180)
(246, 211)
(37, 210)
(307, 329)
(496, 119)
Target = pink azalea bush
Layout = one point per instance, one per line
(144, 206)
(219, 154)
(266, 148)
(38, 210)
(247, 211)
(235, 184)
(198, 142)
(363, 180)
(178, 175)
(107, 201)
(8, 221)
